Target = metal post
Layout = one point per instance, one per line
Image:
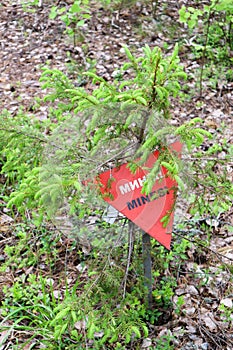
(146, 249)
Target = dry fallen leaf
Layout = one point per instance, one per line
(3, 338)
(227, 302)
(5, 220)
(191, 329)
(57, 294)
(209, 323)
(98, 334)
(146, 343)
(80, 325)
(28, 346)
(190, 311)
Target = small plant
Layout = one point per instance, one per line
(165, 343)
(121, 121)
(216, 42)
(31, 306)
(74, 16)
(28, 6)
(227, 312)
(218, 16)
(26, 250)
(21, 143)
(155, 79)
(126, 114)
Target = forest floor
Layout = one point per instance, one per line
(30, 40)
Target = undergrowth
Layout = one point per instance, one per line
(67, 313)
(73, 287)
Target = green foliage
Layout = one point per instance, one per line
(154, 80)
(226, 313)
(32, 306)
(117, 4)
(218, 182)
(136, 108)
(21, 141)
(26, 250)
(74, 16)
(189, 15)
(218, 33)
(95, 129)
(91, 312)
(121, 121)
(28, 5)
(165, 343)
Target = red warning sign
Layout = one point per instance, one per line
(123, 190)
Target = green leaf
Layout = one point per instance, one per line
(80, 23)
(180, 182)
(204, 132)
(91, 331)
(136, 331)
(75, 8)
(145, 330)
(114, 338)
(66, 20)
(141, 100)
(127, 65)
(195, 121)
(59, 330)
(58, 307)
(159, 92)
(180, 129)
(86, 16)
(184, 15)
(124, 96)
(224, 5)
(168, 166)
(175, 52)
(181, 75)
(74, 316)
(147, 51)
(53, 12)
(59, 317)
(62, 10)
(127, 338)
(165, 220)
(128, 53)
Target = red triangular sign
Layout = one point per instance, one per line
(123, 190)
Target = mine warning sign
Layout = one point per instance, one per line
(123, 190)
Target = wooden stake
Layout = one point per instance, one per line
(146, 249)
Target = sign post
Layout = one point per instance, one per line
(122, 189)
(147, 265)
